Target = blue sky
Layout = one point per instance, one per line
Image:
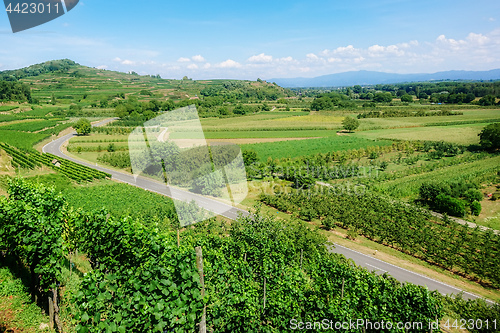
(266, 39)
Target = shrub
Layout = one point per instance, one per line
(307, 214)
(350, 124)
(490, 136)
(429, 191)
(472, 195)
(447, 204)
(111, 147)
(352, 233)
(82, 126)
(475, 208)
(329, 223)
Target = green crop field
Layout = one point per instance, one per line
(469, 116)
(461, 134)
(274, 121)
(31, 126)
(296, 148)
(407, 187)
(117, 198)
(4, 108)
(121, 199)
(268, 134)
(21, 140)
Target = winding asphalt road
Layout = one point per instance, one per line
(220, 208)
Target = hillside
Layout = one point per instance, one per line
(74, 83)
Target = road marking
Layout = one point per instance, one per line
(380, 269)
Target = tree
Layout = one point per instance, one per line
(266, 107)
(350, 124)
(357, 89)
(382, 97)
(475, 208)
(490, 136)
(249, 157)
(322, 103)
(82, 126)
(423, 95)
(487, 100)
(401, 92)
(240, 109)
(406, 98)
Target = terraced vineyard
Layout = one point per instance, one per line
(33, 159)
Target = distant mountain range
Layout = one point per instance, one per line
(371, 78)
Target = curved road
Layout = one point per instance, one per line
(220, 208)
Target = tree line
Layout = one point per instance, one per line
(38, 69)
(15, 91)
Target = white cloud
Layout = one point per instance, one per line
(207, 66)
(261, 58)
(380, 51)
(333, 59)
(124, 61)
(193, 66)
(477, 38)
(376, 48)
(182, 59)
(198, 58)
(450, 42)
(312, 56)
(229, 63)
(349, 49)
(358, 60)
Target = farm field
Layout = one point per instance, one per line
(274, 121)
(292, 149)
(469, 117)
(24, 140)
(460, 134)
(269, 134)
(119, 199)
(407, 187)
(33, 126)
